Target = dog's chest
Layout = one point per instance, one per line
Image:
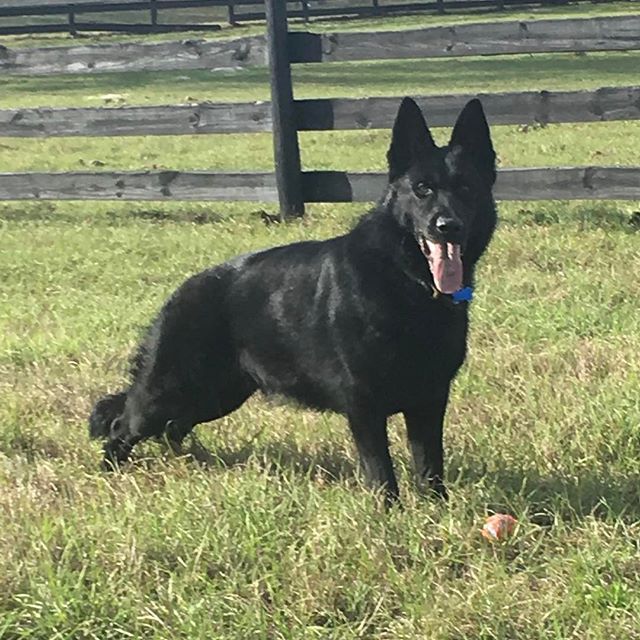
(416, 348)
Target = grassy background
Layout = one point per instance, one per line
(354, 79)
(276, 538)
(592, 143)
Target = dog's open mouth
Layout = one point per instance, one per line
(445, 263)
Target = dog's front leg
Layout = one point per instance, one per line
(369, 430)
(424, 432)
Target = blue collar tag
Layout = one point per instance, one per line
(462, 295)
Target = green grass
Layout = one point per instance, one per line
(586, 144)
(276, 538)
(593, 143)
(379, 78)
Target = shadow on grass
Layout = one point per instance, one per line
(278, 457)
(559, 495)
(546, 497)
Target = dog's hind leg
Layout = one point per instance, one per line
(176, 432)
(231, 396)
(172, 418)
(369, 431)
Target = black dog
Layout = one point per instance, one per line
(367, 324)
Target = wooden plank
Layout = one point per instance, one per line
(129, 56)
(73, 26)
(539, 183)
(137, 121)
(526, 107)
(597, 34)
(286, 152)
(361, 10)
(50, 5)
(605, 104)
(569, 183)
(139, 185)
(539, 36)
(56, 7)
(544, 183)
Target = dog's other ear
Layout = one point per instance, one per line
(411, 140)
(471, 132)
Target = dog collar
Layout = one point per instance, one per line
(461, 295)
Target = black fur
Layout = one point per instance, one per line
(352, 324)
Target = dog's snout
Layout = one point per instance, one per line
(448, 226)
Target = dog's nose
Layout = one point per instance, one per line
(448, 226)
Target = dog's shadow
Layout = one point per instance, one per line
(548, 497)
(277, 457)
(558, 495)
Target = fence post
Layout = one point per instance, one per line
(153, 9)
(304, 5)
(72, 22)
(285, 134)
(232, 15)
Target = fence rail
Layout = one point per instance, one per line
(72, 9)
(539, 36)
(616, 103)
(562, 183)
(526, 107)
(129, 56)
(619, 33)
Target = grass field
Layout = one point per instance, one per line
(276, 538)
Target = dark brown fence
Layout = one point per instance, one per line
(525, 107)
(74, 15)
(558, 183)
(510, 37)
(144, 16)
(289, 185)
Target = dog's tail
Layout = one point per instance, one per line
(107, 409)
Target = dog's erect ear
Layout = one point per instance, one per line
(471, 132)
(411, 140)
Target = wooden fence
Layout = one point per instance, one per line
(510, 37)
(284, 116)
(559, 183)
(525, 107)
(132, 13)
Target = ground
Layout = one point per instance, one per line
(276, 537)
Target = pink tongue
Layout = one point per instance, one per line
(446, 266)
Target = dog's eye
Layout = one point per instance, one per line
(422, 190)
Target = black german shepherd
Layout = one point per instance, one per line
(367, 324)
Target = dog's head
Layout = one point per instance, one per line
(441, 196)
